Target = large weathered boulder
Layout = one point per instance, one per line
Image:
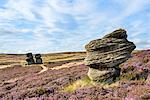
(105, 55)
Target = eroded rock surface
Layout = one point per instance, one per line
(105, 55)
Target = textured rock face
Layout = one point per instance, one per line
(106, 54)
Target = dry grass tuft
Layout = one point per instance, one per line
(78, 84)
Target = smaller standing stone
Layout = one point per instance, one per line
(38, 59)
(30, 59)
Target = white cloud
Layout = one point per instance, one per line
(68, 24)
(14, 31)
(22, 8)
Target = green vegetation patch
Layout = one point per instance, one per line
(78, 84)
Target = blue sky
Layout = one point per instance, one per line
(43, 26)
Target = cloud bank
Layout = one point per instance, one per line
(43, 26)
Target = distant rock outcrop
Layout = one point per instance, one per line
(30, 59)
(105, 55)
(38, 59)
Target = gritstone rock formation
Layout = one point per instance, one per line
(30, 59)
(105, 55)
(38, 59)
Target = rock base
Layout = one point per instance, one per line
(108, 75)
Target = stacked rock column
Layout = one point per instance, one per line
(30, 59)
(105, 55)
(38, 59)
